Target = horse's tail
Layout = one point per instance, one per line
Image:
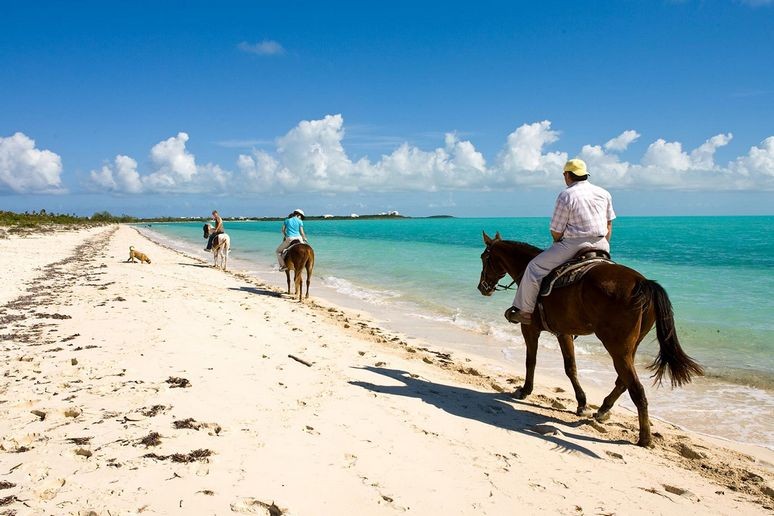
(670, 356)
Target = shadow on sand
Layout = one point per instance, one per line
(258, 291)
(492, 408)
(200, 265)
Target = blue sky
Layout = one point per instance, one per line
(256, 108)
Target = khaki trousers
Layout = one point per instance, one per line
(548, 260)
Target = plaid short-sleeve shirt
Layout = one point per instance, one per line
(582, 210)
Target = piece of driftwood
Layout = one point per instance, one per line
(307, 364)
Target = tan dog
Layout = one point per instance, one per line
(137, 254)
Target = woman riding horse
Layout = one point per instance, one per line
(292, 232)
(295, 253)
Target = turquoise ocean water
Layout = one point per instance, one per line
(718, 271)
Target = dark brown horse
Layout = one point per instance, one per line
(299, 257)
(615, 303)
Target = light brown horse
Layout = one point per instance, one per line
(615, 303)
(299, 257)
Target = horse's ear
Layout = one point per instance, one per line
(487, 240)
(497, 237)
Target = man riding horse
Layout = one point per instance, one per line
(582, 219)
(613, 302)
(217, 231)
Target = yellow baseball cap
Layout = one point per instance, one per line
(576, 166)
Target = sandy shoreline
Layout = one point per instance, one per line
(94, 350)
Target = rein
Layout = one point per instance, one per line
(499, 286)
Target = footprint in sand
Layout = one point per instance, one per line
(73, 412)
(49, 488)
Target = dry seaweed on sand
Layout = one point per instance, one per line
(200, 455)
(155, 456)
(197, 455)
(152, 439)
(80, 441)
(152, 411)
(187, 423)
(175, 381)
(8, 500)
(6, 485)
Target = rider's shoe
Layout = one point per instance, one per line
(516, 316)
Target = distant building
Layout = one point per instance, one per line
(327, 216)
(354, 215)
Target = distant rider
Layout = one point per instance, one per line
(292, 231)
(582, 219)
(218, 229)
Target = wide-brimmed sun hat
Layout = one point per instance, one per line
(300, 212)
(577, 167)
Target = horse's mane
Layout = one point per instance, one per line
(522, 247)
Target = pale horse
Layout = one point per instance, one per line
(220, 246)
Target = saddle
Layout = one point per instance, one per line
(573, 270)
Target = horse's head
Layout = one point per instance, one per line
(207, 228)
(492, 268)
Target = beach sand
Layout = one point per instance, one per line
(172, 388)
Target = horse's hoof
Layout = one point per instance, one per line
(602, 416)
(520, 393)
(583, 411)
(645, 442)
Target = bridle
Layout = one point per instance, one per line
(485, 257)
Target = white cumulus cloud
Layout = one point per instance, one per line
(122, 176)
(311, 157)
(666, 164)
(758, 164)
(605, 168)
(266, 47)
(665, 155)
(174, 170)
(175, 166)
(703, 157)
(622, 141)
(522, 160)
(27, 169)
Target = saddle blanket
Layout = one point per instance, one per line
(572, 271)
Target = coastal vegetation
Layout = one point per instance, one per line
(43, 217)
(37, 221)
(44, 221)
